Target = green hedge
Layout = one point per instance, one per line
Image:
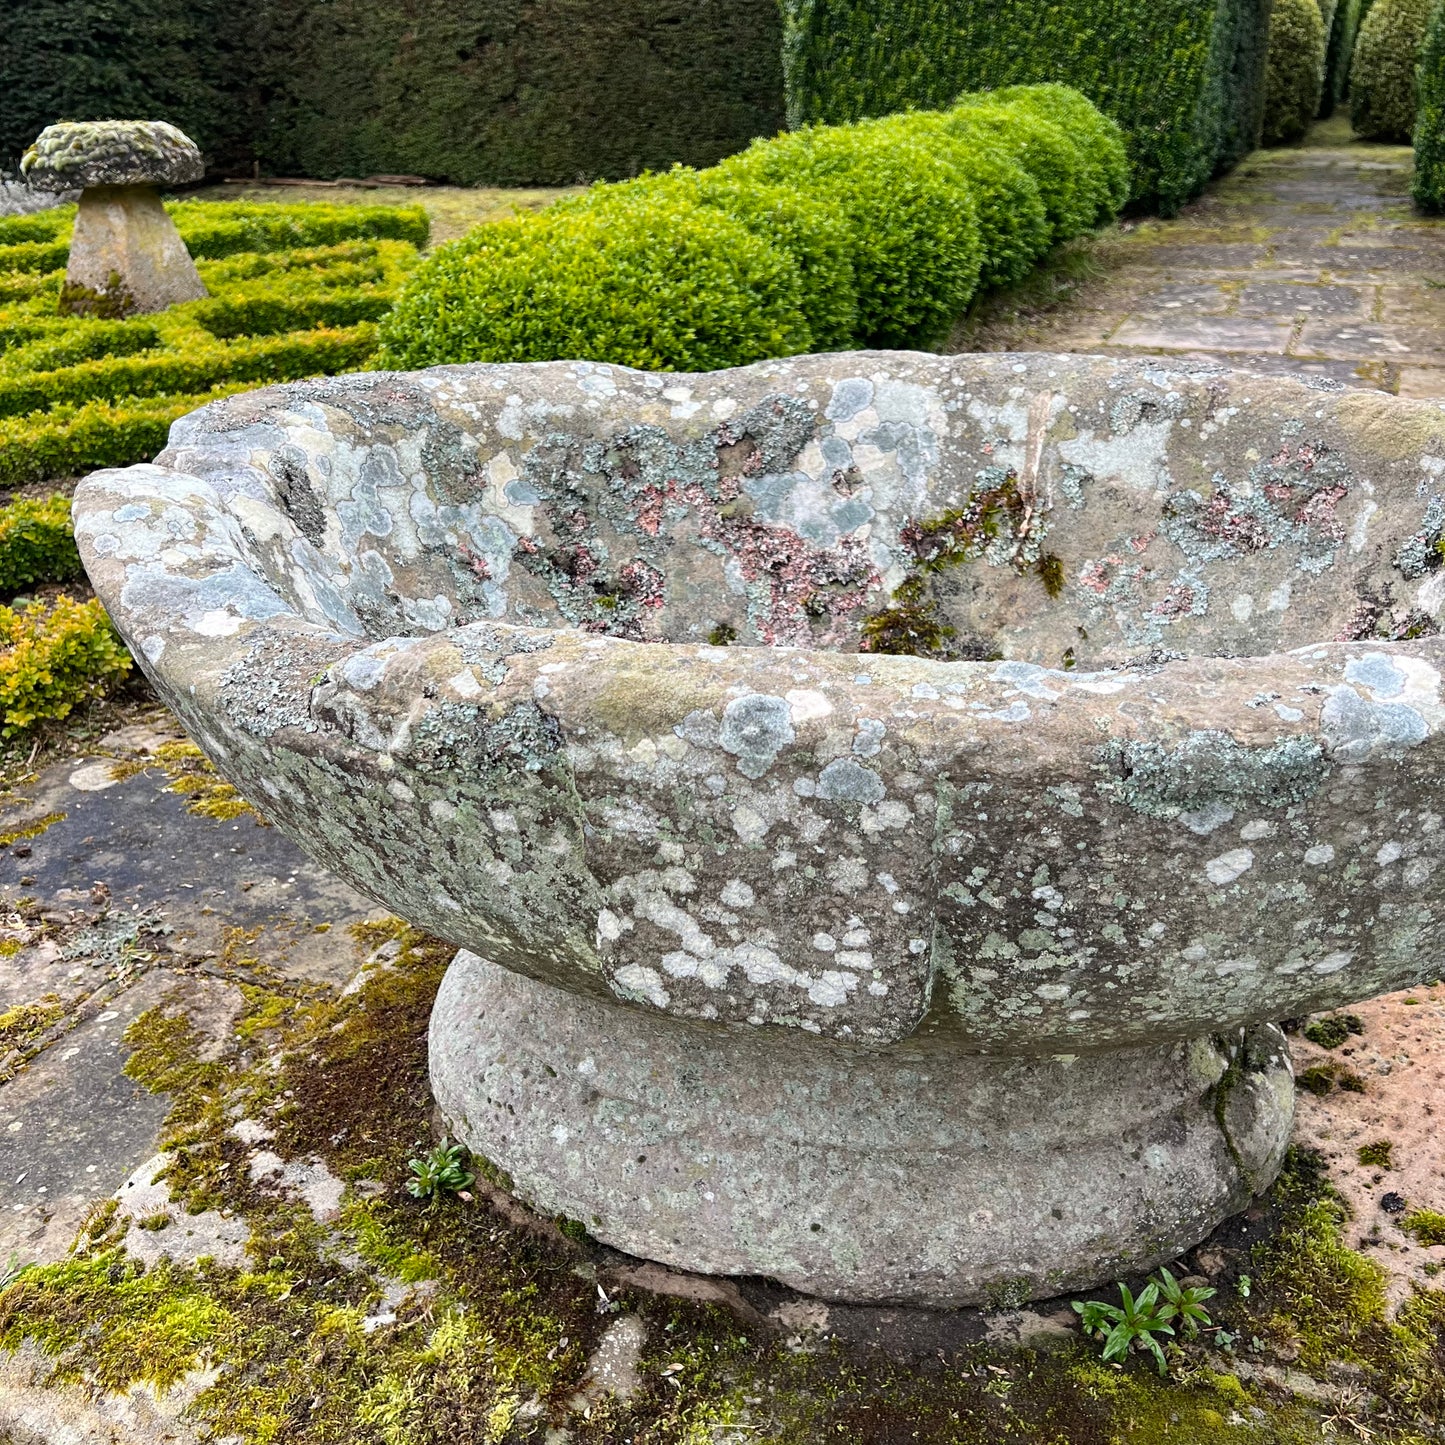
(910, 214)
(658, 282)
(877, 233)
(1184, 79)
(513, 92)
(497, 91)
(1429, 184)
(78, 393)
(1382, 77)
(1295, 75)
(185, 61)
(36, 544)
(1341, 51)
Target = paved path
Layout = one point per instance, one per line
(1309, 259)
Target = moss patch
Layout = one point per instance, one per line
(490, 1316)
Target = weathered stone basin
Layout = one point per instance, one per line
(935, 978)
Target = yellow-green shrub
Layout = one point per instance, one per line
(53, 659)
(36, 544)
(1383, 95)
(1295, 71)
(917, 251)
(656, 281)
(68, 441)
(79, 393)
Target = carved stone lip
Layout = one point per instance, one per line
(451, 629)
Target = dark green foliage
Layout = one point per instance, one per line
(1379, 1155)
(1341, 50)
(536, 92)
(1184, 79)
(185, 61)
(1382, 76)
(1294, 78)
(650, 279)
(512, 92)
(1429, 185)
(914, 222)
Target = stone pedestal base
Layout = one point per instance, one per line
(917, 1175)
(126, 255)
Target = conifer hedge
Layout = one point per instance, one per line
(1295, 74)
(1429, 185)
(1383, 99)
(539, 92)
(1183, 78)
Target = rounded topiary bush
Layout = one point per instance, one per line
(1295, 71)
(917, 252)
(1045, 150)
(1013, 225)
(810, 228)
(1097, 135)
(1429, 184)
(1382, 78)
(657, 281)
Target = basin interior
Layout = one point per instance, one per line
(973, 513)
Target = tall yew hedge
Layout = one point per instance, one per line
(1183, 78)
(542, 92)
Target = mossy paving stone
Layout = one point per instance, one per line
(1283, 265)
(114, 895)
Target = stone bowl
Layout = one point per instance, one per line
(938, 978)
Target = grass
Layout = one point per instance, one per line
(452, 210)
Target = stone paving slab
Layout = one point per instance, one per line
(1370, 341)
(123, 900)
(1306, 261)
(1203, 333)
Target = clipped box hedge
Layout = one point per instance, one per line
(502, 92)
(296, 291)
(873, 234)
(1183, 78)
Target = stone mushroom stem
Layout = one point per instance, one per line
(126, 256)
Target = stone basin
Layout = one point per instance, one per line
(936, 978)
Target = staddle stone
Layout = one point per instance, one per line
(126, 255)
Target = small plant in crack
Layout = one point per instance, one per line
(1136, 1324)
(438, 1173)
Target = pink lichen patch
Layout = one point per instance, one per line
(1183, 599)
(1245, 531)
(804, 583)
(1096, 575)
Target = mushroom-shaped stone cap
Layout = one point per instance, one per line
(111, 153)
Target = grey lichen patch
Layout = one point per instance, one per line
(453, 631)
(1210, 771)
(1420, 553)
(111, 153)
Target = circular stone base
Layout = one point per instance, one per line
(916, 1175)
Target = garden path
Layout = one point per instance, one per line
(1308, 260)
